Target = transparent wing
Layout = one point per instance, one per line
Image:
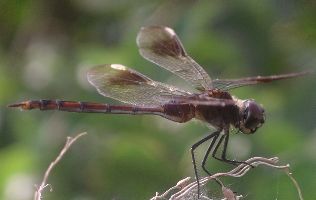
(228, 84)
(128, 86)
(162, 46)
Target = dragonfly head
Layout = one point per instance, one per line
(252, 117)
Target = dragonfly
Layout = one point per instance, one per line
(211, 102)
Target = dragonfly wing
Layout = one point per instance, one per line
(162, 46)
(228, 84)
(129, 86)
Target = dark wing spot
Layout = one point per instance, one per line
(169, 47)
(161, 40)
(127, 77)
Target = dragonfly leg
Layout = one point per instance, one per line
(208, 153)
(216, 148)
(223, 157)
(194, 146)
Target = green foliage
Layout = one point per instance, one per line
(46, 47)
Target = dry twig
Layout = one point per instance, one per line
(188, 190)
(39, 189)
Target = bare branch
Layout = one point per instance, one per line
(188, 190)
(69, 142)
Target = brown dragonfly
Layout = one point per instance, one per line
(212, 104)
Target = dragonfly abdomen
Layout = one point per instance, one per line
(87, 107)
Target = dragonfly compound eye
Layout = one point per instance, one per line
(253, 116)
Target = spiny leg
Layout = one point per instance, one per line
(216, 147)
(194, 146)
(208, 152)
(223, 156)
(224, 159)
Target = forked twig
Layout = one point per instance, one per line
(188, 189)
(69, 142)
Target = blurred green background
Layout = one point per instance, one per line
(47, 46)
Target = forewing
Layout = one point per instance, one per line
(162, 46)
(227, 84)
(129, 86)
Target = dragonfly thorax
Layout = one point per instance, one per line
(218, 108)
